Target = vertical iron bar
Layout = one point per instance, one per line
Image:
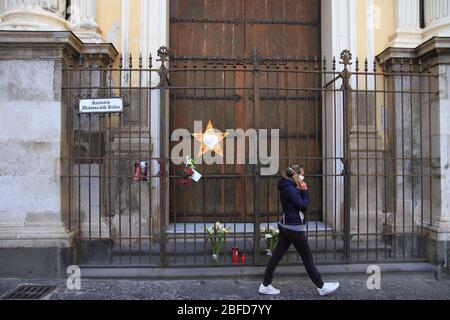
(256, 101)
(204, 180)
(335, 158)
(394, 158)
(421, 159)
(316, 152)
(347, 91)
(385, 152)
(358, 171)
(121, 158)
(129, 157)
(162, 52)
(140, 157)
(403, 157)
(69, 112)
(150, 202)
(366, 77)
(109, 171)
(79, 147)
(325, 152)
(90, 150)
(430, 142)
(411, 70)
(376, 156)
(195, 220)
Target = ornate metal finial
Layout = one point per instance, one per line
(130, 61)
(163, 54)
(150, 61)
(346, 58)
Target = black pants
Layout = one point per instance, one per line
(285, 239)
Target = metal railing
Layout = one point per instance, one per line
(360, 129)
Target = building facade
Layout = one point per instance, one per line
(359, 91)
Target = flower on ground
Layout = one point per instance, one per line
(271, 235)
(217, 233)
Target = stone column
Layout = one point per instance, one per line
(366, 166)
(34, 234)
(82, 20)
(437, 18)
(36, 237)
(408, 33)
(338, 26)
(419, 191)
(436, 52)
(154, 31)
(48, 15)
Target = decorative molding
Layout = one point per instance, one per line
(286, 22)
(82, 20)
(437, 18)
(408, 33)
(34, 15)
(125, 22)
(243, 60)
(237, 21)
(56, 7)
(370, 36)
(234, 97)
(204, 20)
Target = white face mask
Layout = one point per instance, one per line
(302, 178)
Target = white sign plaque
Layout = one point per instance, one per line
(109, 105)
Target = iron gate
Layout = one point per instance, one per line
(361, 130)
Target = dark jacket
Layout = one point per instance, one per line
(292, 201)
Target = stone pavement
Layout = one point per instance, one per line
(291, 289)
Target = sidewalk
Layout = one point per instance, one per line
(291, 289)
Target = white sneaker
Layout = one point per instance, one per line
(269, 290)
(328, 288)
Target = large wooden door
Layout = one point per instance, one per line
(209, 41)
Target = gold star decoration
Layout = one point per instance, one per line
(210, 140)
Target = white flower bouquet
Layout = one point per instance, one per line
(217, 234)
(271, 236)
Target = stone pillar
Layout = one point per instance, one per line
(338, 25)
(36, 236)
(82, 20)
(155, 34)
(436, 53)
(48, 15)
(366, 166)
(419, 190)
(408, 33)
(437, 18)
(406, 129)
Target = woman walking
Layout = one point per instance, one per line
(294, 198)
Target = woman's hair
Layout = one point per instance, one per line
(297, 168)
